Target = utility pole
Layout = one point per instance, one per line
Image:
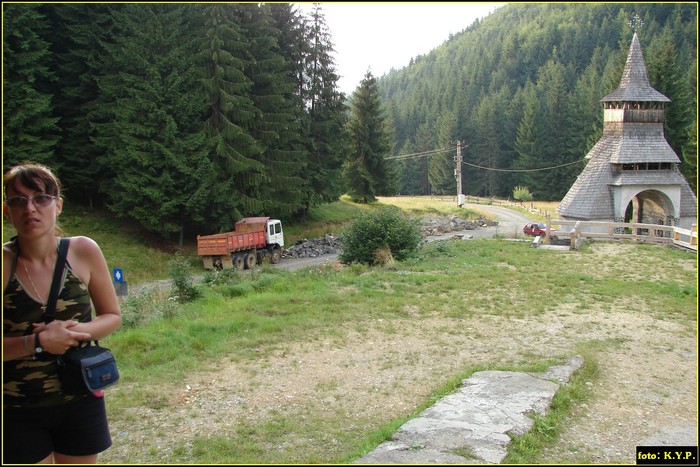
(458, 174)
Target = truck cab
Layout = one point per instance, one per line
(275, 235)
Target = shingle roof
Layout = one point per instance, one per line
(591, 197)
(689, 203)
(634, 86)
(648, 177)
(636, 142)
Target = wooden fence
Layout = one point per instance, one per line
(578, 231)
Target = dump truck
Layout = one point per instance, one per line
(253, 240)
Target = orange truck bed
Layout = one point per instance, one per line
(250, 233)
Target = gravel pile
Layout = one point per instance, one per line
(442, 225)
(314, 248)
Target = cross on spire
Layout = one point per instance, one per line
(636, 22)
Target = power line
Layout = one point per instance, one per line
(421, 154)
(493, 169)
(523, 170)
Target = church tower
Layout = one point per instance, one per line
(632, 172)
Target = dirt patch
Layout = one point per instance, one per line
(380, 370)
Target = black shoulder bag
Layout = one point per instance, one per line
(86, 368)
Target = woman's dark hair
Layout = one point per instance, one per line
(32, 175)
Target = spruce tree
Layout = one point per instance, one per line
(441, 167)
(159, 142)
(555, 149)
(366, 170)
(326, 140)
(487, 144)
(236, 169)
(278, 126)
(665, 76)
(419, 180)
(530, 136)
(30, 131)
(78, 31)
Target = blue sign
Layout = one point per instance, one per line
(118, 275)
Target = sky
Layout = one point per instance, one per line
(378, 36)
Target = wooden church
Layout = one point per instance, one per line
(632, 172)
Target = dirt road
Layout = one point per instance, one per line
(510, 224)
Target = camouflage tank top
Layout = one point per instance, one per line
(28, 382)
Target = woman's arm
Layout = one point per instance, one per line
(87, 260)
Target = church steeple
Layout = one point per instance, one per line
(634, 85)
(632, 170)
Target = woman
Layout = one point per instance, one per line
(41, 423)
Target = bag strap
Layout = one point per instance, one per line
(50, 312)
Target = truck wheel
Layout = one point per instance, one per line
(250, 260)
(238, 261)
(275, 255)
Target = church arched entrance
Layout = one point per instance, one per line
(651, 207)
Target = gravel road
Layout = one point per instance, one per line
(510, 224)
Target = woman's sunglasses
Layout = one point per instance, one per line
(40, 201)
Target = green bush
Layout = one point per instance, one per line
(148, 305)
(372, 233)
(522, 193)
(183, 281)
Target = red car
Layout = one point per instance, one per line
(535, 229)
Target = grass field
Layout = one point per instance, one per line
(321, 365)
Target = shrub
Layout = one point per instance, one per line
(221, 276)
(522, 193)
(181, 273)
(149, 305)
(372, 232)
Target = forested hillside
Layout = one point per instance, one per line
(523, 88)
(183, 117)
(186, 117)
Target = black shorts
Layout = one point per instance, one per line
(77, 429)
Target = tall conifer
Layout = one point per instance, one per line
(327, 141)
(158, 142)
(367, 173)
(78, 32)
(30, 130)
(236, 169)
(278, 127)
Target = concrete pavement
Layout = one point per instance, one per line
(472, 425)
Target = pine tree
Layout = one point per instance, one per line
(78, 31)
(236, 168)
(30, 131)
(326, 140)
(159, 142)
(278, 128)
(441, 167)
(366, 171)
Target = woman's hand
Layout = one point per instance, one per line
(57, 336)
